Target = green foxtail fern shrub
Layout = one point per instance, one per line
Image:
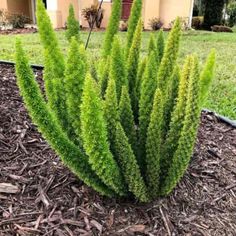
(73, 25)
(127, 128)
(112, 27)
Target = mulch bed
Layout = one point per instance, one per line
(18, 31)
(52, 201)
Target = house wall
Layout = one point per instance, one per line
(166, 10)
(82, 5)
(63, 7)
(151, 9)
(58, 11)
(106, 6)
(19, 6)
(54, 14)
(3, 4)
(169, 10)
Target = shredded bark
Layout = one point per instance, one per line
(43, 197)
(18, 31)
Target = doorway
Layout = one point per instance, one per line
(126, 8)
(45, 3)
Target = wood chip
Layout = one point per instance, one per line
(8, 188)
(211, 175)
(96, 224)
(137, 228)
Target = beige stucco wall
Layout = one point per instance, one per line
(151, 9)
(63, 7)
(3, 4)
(19, 6)
(56, 18)
(106, 6)
(166, 10)
(170, 9)
(82, 5)
(58, 11)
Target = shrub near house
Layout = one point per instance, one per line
(134, 130)
(14, 20)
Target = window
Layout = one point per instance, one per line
(45, 3)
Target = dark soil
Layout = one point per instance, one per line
(52, 201)
(18, 31)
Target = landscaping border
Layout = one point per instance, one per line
(34, 66)
(222, 118)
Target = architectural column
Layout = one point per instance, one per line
(33, 10)
(191, 14)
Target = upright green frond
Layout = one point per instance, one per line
(146, 101)
(187, 139)
(84, 56)
(48, 77)
(56, 98)
(160, 45)
(53, 93)
(95, 138)
(154, 144)
(49, 39)
(112, 28)
(103, 71)
(42, 116)
(152, 46)
(73, 26)
(207, 75)
(135, 16)
(129, 166)
(117, 67)
(140, 75)
(127, 118)
(132, 67)
(170, 97)
(177, 118)
(94, 71)
(54, 54)
(111, 113)
(170, 56)
(74, 81)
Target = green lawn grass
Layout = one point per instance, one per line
(222, 97)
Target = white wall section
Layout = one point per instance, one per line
(52, 5)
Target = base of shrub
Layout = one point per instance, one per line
(221, 28)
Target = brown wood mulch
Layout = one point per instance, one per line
(39, 196)
(34, 30)
(18, 31)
